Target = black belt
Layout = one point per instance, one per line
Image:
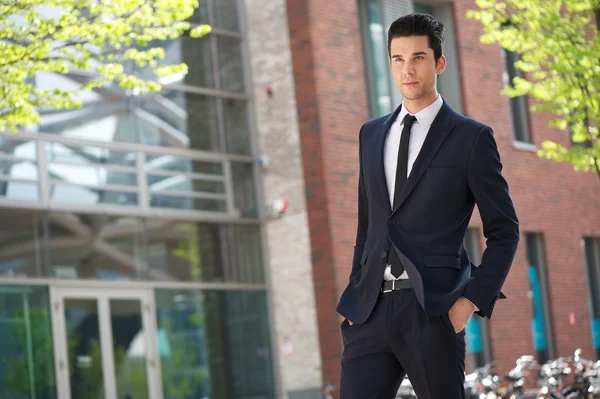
(395, 285)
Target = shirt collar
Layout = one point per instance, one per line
(425, 116)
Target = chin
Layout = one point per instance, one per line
(412, 96)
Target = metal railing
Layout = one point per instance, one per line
(50, 171)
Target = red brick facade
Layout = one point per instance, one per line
(550, 198)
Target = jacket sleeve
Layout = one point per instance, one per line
(500, 224)
(363, 212)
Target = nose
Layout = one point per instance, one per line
(408, 69)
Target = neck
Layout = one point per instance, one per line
(414, 106)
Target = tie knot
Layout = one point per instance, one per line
(409, 120)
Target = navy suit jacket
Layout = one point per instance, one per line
(457, 167)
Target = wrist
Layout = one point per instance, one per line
(474, 308)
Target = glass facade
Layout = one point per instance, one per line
(91, 246)
(157, 194)
(27, 365)
(212, 344)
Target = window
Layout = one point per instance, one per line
(216, 344)
(538, 293)
(57, 244)
(375, 17)
(592, 262)
(27, 369)
(518, 105)
(379, 82)
(478, 340)
(194, 111)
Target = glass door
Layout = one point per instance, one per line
(104, 346)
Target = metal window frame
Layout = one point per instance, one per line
(102, 297)
(45, 182)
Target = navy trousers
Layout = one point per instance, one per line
(400, 339)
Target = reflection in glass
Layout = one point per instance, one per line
(22, 250)
(75, 195)
(116, 253)
(237, 129)
(196, 53)
(21, 191)
(204, 252)
(179, 164)
(202, 125)
(214, 344)
(230, 64)
(169, 118)
(63, 154)
(83, 348)
(201, 13)
(129, 348)
(18, 169)
(22, 149)
(246, 252)
(26, 349)
(244, 189)
(226, 15)
(17, 161)
(176, 202)
(180, 183)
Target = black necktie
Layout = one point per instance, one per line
(401, 171)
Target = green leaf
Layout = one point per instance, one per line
(558, 45)
(95, 37)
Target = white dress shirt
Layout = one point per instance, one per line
(418, 134)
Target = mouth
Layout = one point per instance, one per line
(410, 84)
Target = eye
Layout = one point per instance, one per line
(418, 57)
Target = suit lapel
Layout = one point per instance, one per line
(440, 128)
(380, 160)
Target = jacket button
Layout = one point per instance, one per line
(392, 221)
(383, 254)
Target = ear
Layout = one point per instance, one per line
(441, 65)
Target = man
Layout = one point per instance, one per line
(412, 288)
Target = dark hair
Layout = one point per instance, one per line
(418, 25)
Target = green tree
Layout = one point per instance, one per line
(559, 52)
(95, 37)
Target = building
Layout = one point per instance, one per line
(137, 253)
(135, 250)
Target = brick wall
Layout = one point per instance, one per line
(550, 198)
(332, 105)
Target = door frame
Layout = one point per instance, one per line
(103, 296)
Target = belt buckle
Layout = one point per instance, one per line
(393, 287)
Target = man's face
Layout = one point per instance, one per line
(414, 67)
